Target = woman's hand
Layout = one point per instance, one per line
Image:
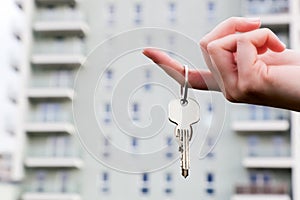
(247, 64)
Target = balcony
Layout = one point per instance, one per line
(8, 191)
(270, 12)
(50, 128)
(59, 45)
(61, 28)
(56, 2)
(50, 93)
(268, 162)
(50, 196)
(57, 61)
(55, 162)
(261, 126)
(260, 197)
(274, 19)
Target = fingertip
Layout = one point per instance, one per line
(278, 45)
(151, 54)
(155, 55)
(147, 51)
(254, 20)
(242, 24)
(144, 51)
(283, 46)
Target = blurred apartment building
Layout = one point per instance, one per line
(47, 161)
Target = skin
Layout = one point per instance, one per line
(248, 64)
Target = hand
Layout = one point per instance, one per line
(251, 66)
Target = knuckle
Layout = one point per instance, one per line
(242, 38)
(239, 92)
(245, 89)
(232, 20)
(266, 30)
(265, 78)
(230, 93)
(212, 47)
(203, 43)
(229, 97)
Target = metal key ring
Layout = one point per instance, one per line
(184, 87)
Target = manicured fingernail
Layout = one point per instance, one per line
(284, 45)
(253, 19)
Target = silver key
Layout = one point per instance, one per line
(184, 115)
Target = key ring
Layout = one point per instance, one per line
(184, 87)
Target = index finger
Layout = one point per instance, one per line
(198, 79)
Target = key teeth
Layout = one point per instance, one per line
(180, 149)
(185, 173)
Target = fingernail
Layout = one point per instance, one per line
(284, 45)
(253, 19)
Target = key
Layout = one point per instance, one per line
(184, 115)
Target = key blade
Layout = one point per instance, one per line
(185, 157)
(185, 173)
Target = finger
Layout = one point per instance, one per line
(261, 38)
(230, 26)
(250, 44)
(227, 27)
(287, 57)
(223, 66)
(251, 70)
(231, 67)
(197, 79)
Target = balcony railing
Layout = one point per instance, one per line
(61, 45)
(56, 2)
(49, 128)
(268, 162)
(260, 197)
(54, 162)
(261, 126)
(50, 196)
(50, 93)
(261, 192)
(57, 60)
(61, 28)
